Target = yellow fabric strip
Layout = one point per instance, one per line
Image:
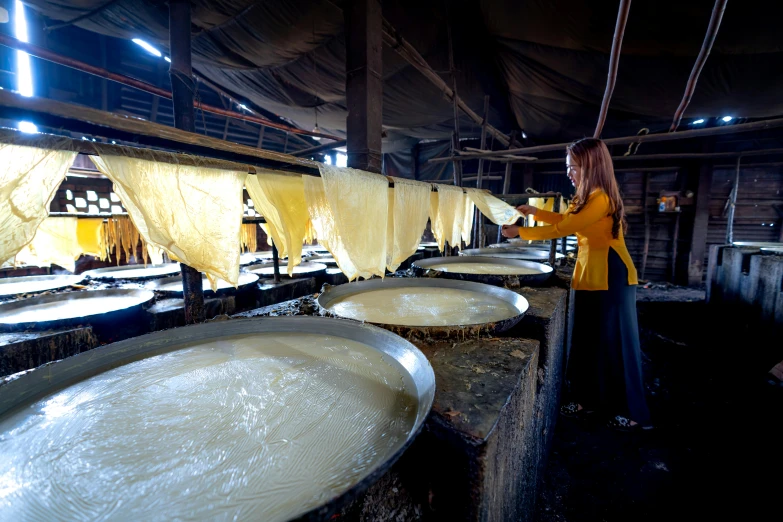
(28, 181)
(89, 234)
(192, 213)
(323, 222)
(467, 220)
(449, 215)
(55, 242)
(408, 210)
(281, 200)
(359, 202)
(249, 237)
(497, 210)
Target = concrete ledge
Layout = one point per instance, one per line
(27, 350)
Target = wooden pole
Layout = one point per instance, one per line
(275, 263)
(182, 89)
(614, 63)
(647, 138)
(364, 84)
(478, 217)
(645, 209)
(412, 56)
(455, 139)
(553, 245)
(733, 204)
(704, 53)
(674, 247)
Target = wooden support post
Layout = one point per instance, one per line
(733, 204)
(506, 189)
(275, 263)
(700, 223)
(104, 81)
(553, 245)
(260, 143)
(364, 83)
(478, 217)
(674, 247)
(455, 138)
(645, 194)
(527, 177)
(182, 88)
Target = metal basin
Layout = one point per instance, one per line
(10, 286)
(172, 286)
(530, 272)
(305, 269)
(99, 307)
(529, 254)
(327, 260)
(136, 272)
(515, 302)
(418, 377)
(756, 244)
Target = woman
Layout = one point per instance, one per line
(605, 367)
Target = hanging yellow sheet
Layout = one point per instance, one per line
(28, 181)
(447, 215)
(359, 202)
(408, 210)
(191, 212)
(55, 242)
(538, 203)
(497, 210)
(467, 220)
(89, 234)
(248, 237)
(323, 223)
(281, 200)
(121, 236)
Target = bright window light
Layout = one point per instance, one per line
(328, 160)
(244, 107)
(147, 47)
(698, 122)
(24, 71)
(727, 119)
(27, 126)
(342, 160)
(167, 59)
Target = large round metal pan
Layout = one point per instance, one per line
(531, 272)
(756, 244)
(135, 272)
(327, 260)
(305, 269)
(332, 294)
(418, 376)
(31, 284)
(773, 250)
(529, 254)
(72, 308)
(172, 286)
(251, 258)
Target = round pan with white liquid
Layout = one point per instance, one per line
(133, 272)
(426, 306)
(511, 273)
(255, 419)
(10, 286)
(304, 269)
(172, 286)
(529, 254)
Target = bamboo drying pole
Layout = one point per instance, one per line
(614, 62)
(704, 53)
(182, 90)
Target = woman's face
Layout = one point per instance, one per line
(573, 171)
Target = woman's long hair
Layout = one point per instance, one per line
(592, 156)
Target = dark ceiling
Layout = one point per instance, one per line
(543, 62)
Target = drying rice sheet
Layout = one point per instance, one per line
(281, 200)
(467, 220)
(408, 211)
(447, 215)
(193, 213)
(55, 242)
(497, 210)
(323, 223)
(28, 181)
(359, 203)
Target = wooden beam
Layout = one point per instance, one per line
(393, 39)
(614, 62)
(645, 209)
(87, 120)
(182, 90)
(701, 221)
(733, 204)
(319, 148)
(649, 138)
(701, 59)
(364, 83)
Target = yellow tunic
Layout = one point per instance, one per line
(593, 229)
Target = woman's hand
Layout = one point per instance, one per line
(510, 231)
(527, 210)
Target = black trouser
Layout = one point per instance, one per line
(605, 366)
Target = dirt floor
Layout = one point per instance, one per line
(715, 452)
